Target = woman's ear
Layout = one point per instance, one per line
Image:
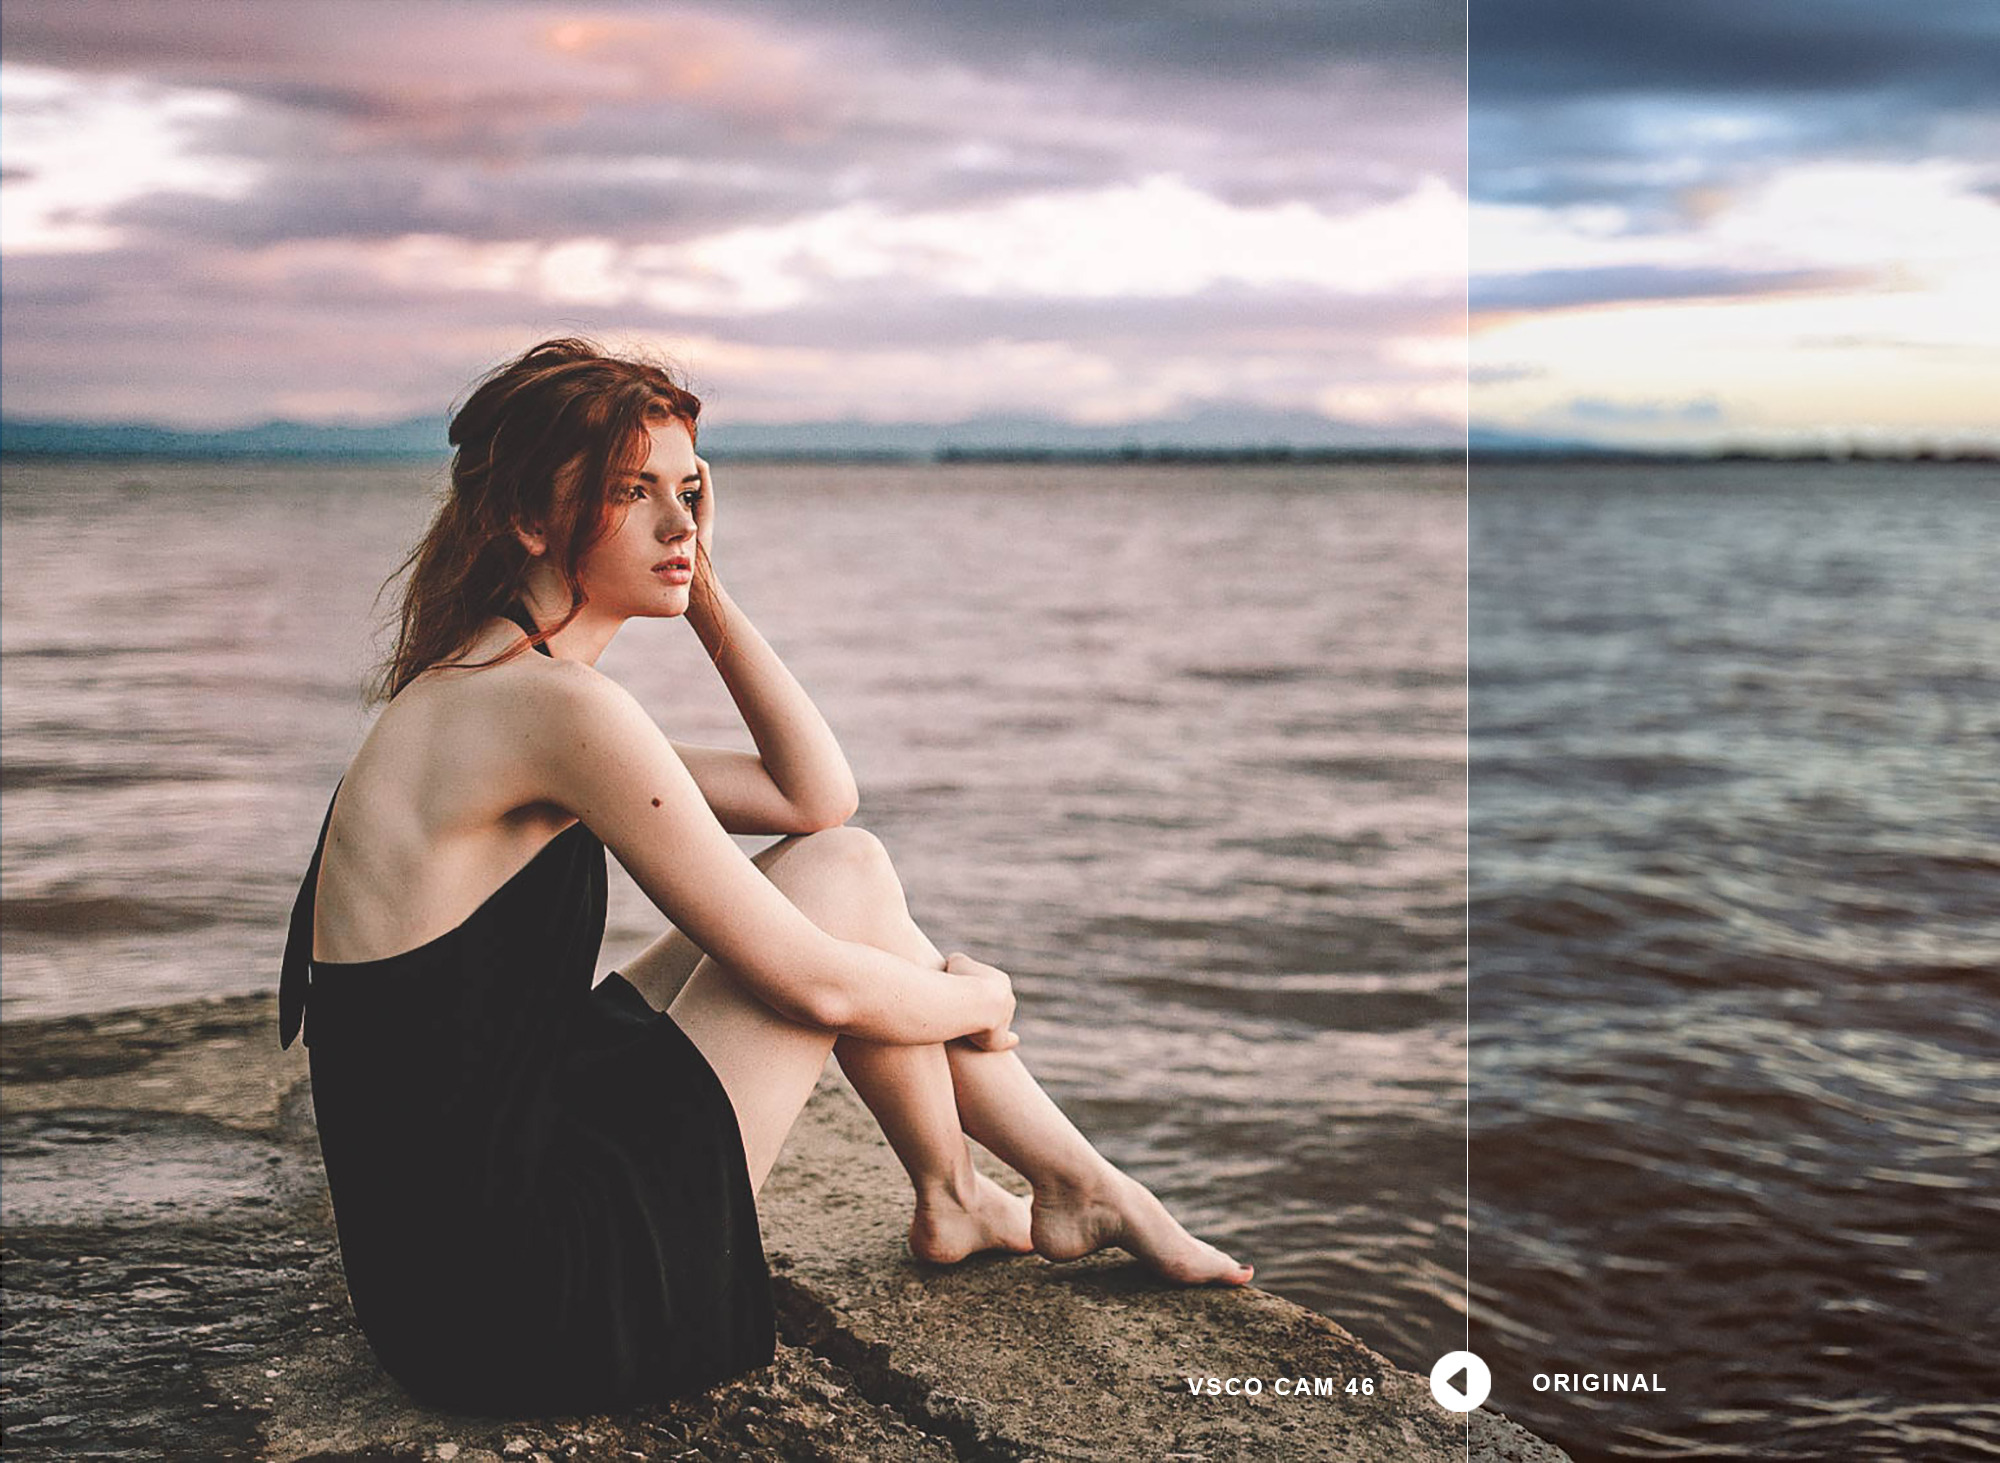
(532, 540)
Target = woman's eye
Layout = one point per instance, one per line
(636, 490)
(691, 497)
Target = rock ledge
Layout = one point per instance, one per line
(173, 1288)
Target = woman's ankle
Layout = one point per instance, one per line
(950, 1186)
(1080, 1180)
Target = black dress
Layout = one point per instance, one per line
(539, 1188)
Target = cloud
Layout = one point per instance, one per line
(74, 152)
(1503, 373)
(1598, 411)
(1678, 196)
(1139, 207)
(763, 101)
(91, 336)
(1946, 51)
(360, 199)
(640, 119)
(1646, 106)
(1258, 39)
(1565, 289)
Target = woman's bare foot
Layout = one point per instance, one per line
(1112, 1209)
(946, 1229)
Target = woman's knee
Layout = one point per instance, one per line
(842, 879)
(851, 855)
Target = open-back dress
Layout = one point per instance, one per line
(539, 1187)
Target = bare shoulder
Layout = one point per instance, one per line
(524, 689)
(562, 695)
(471, 744)
(557, 727)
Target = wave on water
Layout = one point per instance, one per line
(1735, 923)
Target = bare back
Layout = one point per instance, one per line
(437, 809)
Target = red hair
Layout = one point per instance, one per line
(540, 445)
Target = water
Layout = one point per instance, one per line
(1181, 748)
(1736, 972)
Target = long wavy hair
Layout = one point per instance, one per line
(539, 445)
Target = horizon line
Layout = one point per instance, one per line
(1390, 455)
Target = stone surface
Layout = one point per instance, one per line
(173, 1288)
(1012, 1357)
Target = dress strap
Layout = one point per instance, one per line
(296, 975)
(517, 612)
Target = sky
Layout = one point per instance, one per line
(1126, 211)
(1707, 223)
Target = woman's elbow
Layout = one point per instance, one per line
(827, 813)
(823, 1006)
(824, 999)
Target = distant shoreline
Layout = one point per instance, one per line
(1282, 456)
(1731, 457)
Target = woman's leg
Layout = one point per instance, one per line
(927, 1097)
(1082, 1203)
(769, 1064)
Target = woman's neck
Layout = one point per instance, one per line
(583, 638)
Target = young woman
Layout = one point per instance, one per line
(545, 1192)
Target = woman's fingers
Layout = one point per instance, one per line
(992, 1041)
(704, 509)
(998, 1037)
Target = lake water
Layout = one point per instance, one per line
(1736, 956)
(1182, 748)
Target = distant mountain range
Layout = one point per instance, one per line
(1211, 430)
(1492, 439)
(420, 436)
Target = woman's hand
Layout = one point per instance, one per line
(999, 990)
(704, 509)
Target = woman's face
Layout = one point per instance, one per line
(645, 561)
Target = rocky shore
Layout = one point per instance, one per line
(173, 1289)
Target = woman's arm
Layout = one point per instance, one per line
(597, 753)
(799, 781)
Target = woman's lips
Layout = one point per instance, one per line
(674, 571)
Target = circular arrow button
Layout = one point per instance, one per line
(1460, 1381)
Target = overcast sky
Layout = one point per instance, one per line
(217, 212)
(1758, 221)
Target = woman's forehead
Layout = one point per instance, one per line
(668, 450)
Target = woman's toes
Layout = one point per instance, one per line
(1123, 1212)
(1210, 1266)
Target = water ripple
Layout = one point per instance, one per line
(1736, 922)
